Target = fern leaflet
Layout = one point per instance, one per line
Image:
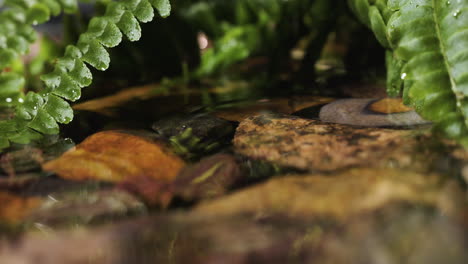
(428, 56)
(39, 113)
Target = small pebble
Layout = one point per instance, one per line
(356, 112)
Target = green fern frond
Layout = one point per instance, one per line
(428, 56)
(41, 112)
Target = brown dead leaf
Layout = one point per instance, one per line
(116, 156)
(278, 105)
(389, 106)
(106, 104)
(14, 208)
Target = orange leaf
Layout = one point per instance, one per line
(389, 106)
(116, 156)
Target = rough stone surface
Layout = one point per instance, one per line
(340, 196)
(397, 234)
(314, 145)
(356, 112)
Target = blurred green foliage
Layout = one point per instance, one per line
(271, 44)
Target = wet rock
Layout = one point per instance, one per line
(340, 196)
(83, 208)
(211, 177)
(207, 179)
(254, 169)
(357, 112)
(180, 238)
(24, 161)
(397, 234)
(15, 183)
(51, 185)
(20, 161)
(195, 135)
(115, 156)
(313, 145)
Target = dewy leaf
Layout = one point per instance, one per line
(73, 52)
(394, 74)
(69, 6)
(68, 89)
(51, 80)
(144, 11)
(32, 103)
(130, 26)
(97, 56)
(131, 4)
(44, 123)
(27, 32)
(10, 83)
(428, 42)
(111, 36)
(81, 74)
(114, 11)
(6, 57)
(18, 44)
(38, 13)
(54, 6)
(40, 112)
(378, 26)
(59, 109)
(25, 136)
(163, 7)
(97, 25)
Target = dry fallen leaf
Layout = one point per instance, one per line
(15, 208)
(389, 106)
(116, 156)
(278, 105)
